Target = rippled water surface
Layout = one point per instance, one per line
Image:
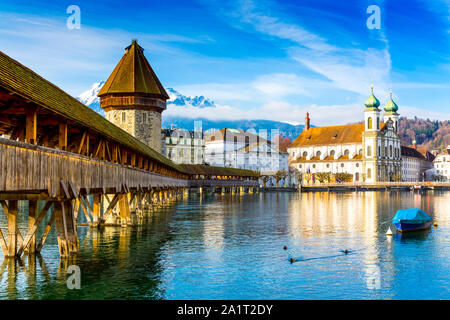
(231, 247)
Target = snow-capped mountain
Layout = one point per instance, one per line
(89, 98)
(179, 99)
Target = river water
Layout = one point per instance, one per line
(231, 247)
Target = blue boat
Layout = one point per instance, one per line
(411, 220)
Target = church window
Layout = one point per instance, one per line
(369, 151)
(314, 166)
(369, 173)
(369, 123)
(390, 151)
(247, 141)
(378, 123)
(342, 165)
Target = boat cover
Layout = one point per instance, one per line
(411, 216)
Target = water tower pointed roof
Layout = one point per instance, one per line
(133, 74)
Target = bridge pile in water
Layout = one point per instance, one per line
(59, 152)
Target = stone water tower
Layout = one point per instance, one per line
(133, 98)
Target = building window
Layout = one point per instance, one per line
(318, 153)
(369, 173)
(357, 165)
(144, 117)
(247, 141)
(328, 165)
(314, 166)
(305, 154)
(347, 152)
(369, 151)
(390, 151)
(124, 117)
(342, 165)
(332, 153)
(369, 123)
(378, 123)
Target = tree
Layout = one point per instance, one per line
(264, 180)
(323, 177)
(343, 177)
(279, 175)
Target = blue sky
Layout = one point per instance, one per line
(257, 59)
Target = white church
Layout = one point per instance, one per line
(370, 152)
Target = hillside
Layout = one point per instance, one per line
(429, 134)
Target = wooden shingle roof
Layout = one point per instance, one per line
(19, 79)
(207, 170)
(133, 74)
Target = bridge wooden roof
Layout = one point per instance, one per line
(22, 81)
(133, 74)
(199, 169)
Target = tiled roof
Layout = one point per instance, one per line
(411, 152)
(351, 133)
(133, 74)
(229, 134)
(445, 152)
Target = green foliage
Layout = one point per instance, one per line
(429, 134)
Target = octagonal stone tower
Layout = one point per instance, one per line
(133, 98)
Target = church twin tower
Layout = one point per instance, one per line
(133, 98)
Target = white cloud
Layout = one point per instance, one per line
(276, 111)
(351, 69)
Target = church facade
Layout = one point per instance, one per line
(369, 152)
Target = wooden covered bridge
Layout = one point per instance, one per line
(61, 156)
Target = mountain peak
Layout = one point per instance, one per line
(89, 98)
(179, 99)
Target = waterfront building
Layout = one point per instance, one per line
(183, 146)
(369, 152)
(245, 150)
(414, 164)
(442, 164)
(133, 97)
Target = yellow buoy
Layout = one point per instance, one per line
(435, 224)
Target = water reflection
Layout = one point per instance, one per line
(231, 247)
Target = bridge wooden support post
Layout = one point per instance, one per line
(138, 207)
(65, 228)
(32, 215)
(123, 205)
(96, 210)
(11, 213)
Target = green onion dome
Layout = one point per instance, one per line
(372, 102)
(391, 106)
